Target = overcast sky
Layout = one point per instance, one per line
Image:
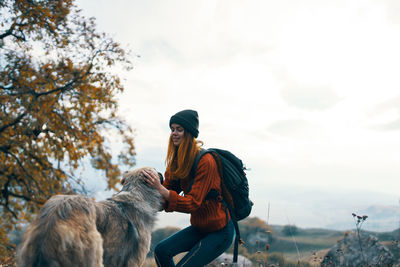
(306, 93)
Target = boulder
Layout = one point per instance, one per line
(347, 252)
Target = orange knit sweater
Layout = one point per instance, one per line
(206, 215)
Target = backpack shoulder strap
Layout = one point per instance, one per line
(194, 167)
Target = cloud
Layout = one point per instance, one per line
(386, 115)
(293, 128)
(392, 10)
(394, 102)
(309, 97)
(390, 126)
(159, 49)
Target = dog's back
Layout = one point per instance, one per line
(63, 234)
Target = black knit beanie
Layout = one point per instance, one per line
(188, 119)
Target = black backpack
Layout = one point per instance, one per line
(234, 185)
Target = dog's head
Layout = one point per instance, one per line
(136, 175)
(133, 182)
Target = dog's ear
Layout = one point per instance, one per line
(161, 177)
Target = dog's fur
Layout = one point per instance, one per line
(73, 230)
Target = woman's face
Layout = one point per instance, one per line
(177, 133)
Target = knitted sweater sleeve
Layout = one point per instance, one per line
(206, 171)
(171, 184)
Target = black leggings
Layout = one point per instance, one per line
(202, 248)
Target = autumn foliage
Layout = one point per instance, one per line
(58, 90)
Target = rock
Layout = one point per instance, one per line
(347, 252)
(225, 259)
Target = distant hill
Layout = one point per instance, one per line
(381, 218)
(299, 242)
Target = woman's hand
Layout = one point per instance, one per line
(153, 179)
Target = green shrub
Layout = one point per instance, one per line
(290, 230)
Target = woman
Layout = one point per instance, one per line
(211, 232)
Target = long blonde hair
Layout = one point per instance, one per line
(180, 159)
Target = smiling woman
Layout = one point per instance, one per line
(211, 231)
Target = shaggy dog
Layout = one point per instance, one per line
(73, 230)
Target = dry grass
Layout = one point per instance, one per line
(315, 258)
